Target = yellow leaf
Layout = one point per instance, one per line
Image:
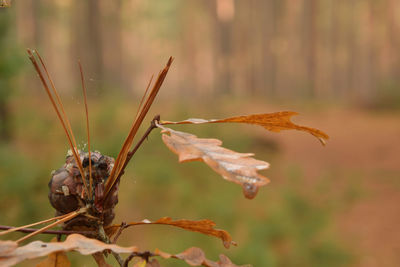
(140, 264)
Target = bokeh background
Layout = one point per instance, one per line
(336, 62)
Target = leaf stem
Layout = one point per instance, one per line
(153, 125)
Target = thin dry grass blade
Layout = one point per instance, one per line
(65, 124)
(66, 218)
(33, 224)
(87, 127)
(58, 98)
(119, 163)
(144, 97)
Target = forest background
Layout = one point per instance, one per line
(336, 62)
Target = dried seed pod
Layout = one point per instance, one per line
(66, 190)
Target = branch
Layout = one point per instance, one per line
(51, 232)
(153, 125)
(144, 137)
(122, 227)
(144, 255)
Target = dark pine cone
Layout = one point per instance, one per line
(67, 191)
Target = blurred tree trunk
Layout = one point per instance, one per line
(5, 126)
(269, 24)
(9, 67)
(112, 41)
(223, 37)
(310, 14)
(94, 38)
(87, 42)
(36, 21)
(5, 129)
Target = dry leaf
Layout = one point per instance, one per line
(236, 167)
(274, 122)
(73, 242)
(55, 259)
(7, 247)
(196, 257)
(202, 226)
(4, 3)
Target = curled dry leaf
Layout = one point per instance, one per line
(236, 167)
(55, 259)
(201, 226)
(196, 257)
(274, 122)
(7, 247)
(38, 249)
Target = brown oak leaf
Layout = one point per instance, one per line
(196, 257)
(236, 167)
(274, 122)
(36, 249)
(55, 259)
(201, 226)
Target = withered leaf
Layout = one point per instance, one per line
(236, 167)
(7, 247)
(201, 226)
(274, 122)
(196, 257)
(55, 259)
(4, 3)
(73, 242)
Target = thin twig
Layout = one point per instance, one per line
(121, 228)
(99, 258)
(122, 155)
(67, 218)
(13, 229)
(152, 126)
(144, 255)
(49, 232)
(118, 258)
(144, 137)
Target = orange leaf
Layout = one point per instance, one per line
(274, 122)
(236, 167)
(36, 249)
(196, 257)
(202, 226)
(55, 259)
